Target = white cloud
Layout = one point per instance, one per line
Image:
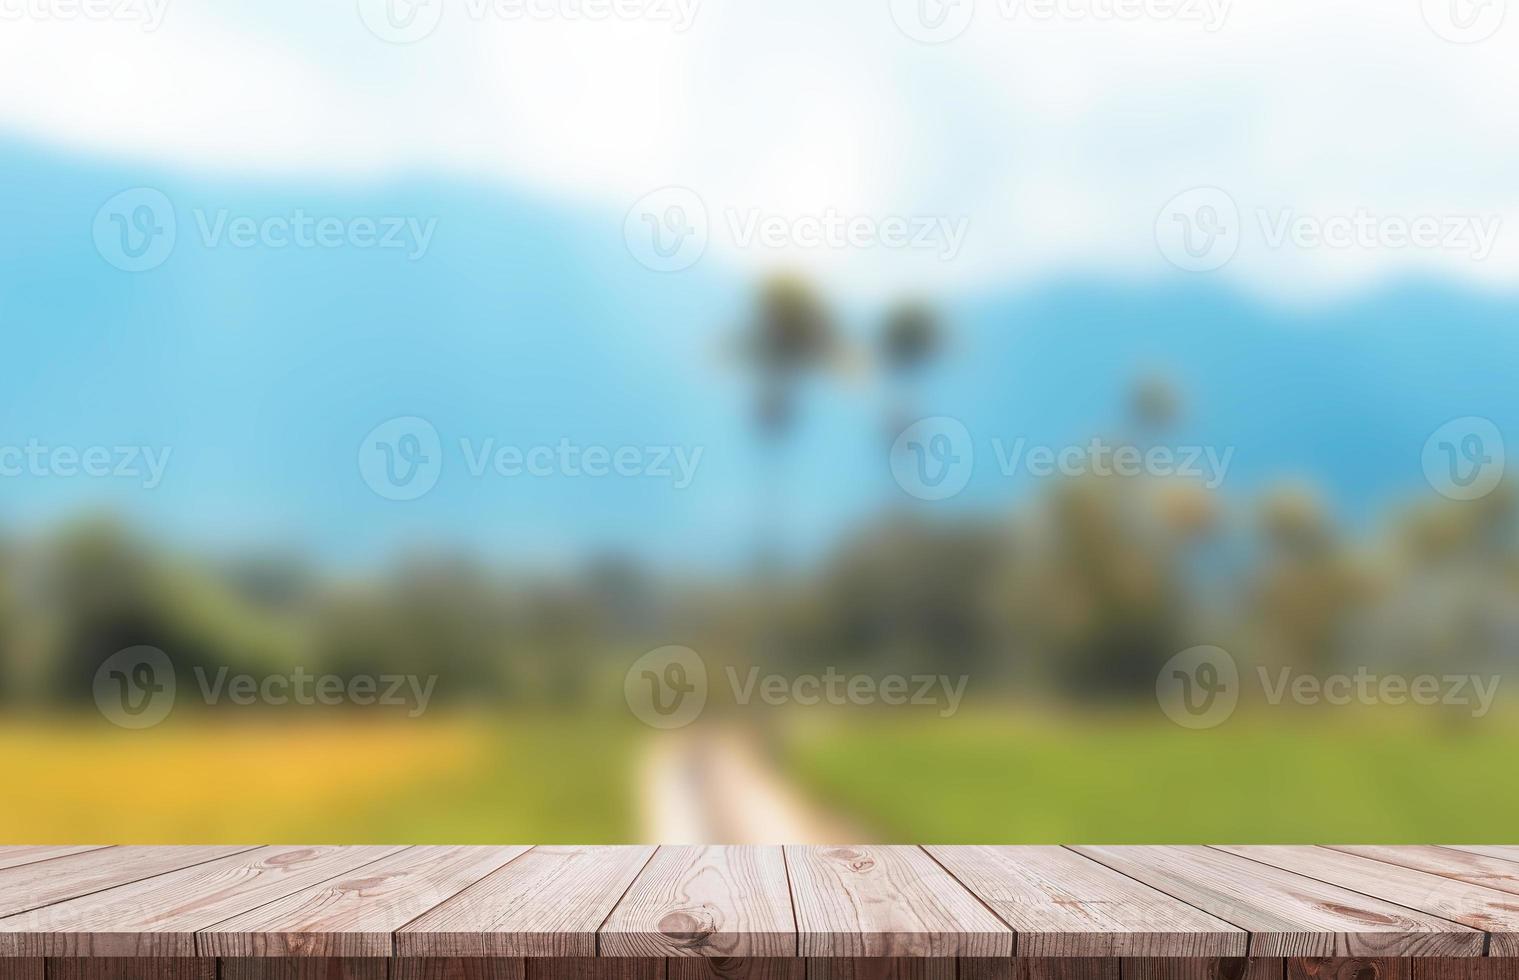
(1059, 137)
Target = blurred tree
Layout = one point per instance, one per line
(791, 334)
(910, 338)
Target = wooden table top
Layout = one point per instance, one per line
(793, 901)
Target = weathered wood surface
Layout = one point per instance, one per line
(358, 914)
(160, 915)
(1493, 912)
(551, 901)
(761, 913)
(887, 901)
(1062, 904)
(706, 901)
(1288, 914)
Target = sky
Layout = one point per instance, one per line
(534, 223)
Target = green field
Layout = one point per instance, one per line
(1023, 776)
(1010, 775)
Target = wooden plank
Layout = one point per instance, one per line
(311, 968)
(1465, 968)
(880, 968)
(1501, 852)
(887, 901)
(1200, 968)
(1040, 968)
(1494, 912)
(31, 886)
(1469, 866)
(355, 915)
(735, 968)
(18, 969)
(595, 968)
(14, 857)
(159, 916)
(548, 902)
(1288, 914)
(1340, 968)
(499, 968)
(134, 968)
(705, 901)
(1063, 904)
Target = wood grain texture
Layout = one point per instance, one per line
(1449, 862)
(1465, 968)
(595, 968)
(1288, 914)
(735, 968)
(1500, 852)
(295, 968)
(880, 968)
(355, 914)
(18, 969)
(1203, 968)
(1041, 968)
(1063, 904)
(705, 901)
(14, 857)
(498, 968)
(887, 901)
(134, 968)
(1340, 968)
(1494, 912)
(159, 916)
(548, 902)
(31, 886)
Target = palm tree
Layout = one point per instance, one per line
(910, 338)
(791, 334)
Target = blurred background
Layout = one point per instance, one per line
(709, 420)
